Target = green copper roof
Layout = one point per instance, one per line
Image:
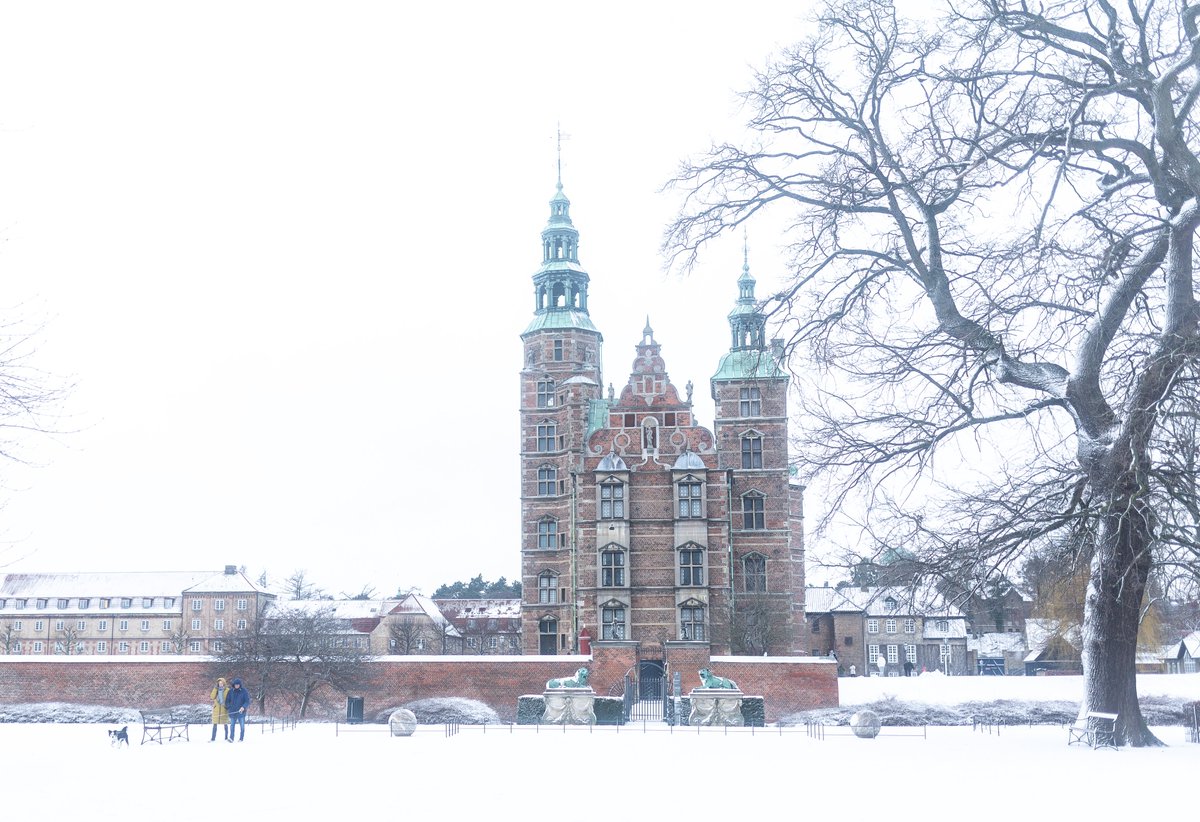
(560, 318)
(597, 416)
(749, 364)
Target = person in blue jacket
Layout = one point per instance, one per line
(237, 702)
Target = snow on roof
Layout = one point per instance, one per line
(227, 583)
(482, 608)
(101, 584)
(1190, 645)
(337, 608)
(996, 643)
(883, 601)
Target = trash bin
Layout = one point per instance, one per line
(354, 709)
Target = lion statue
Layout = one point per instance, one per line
(580, 680)
(710, 680)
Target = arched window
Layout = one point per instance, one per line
(547, 588)
(691, 564)
(754, 569)
(548, 635)
(612, 568)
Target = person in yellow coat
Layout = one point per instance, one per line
(220, 716)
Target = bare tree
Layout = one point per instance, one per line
(1065, 322)
(406, 635)
(298, 586)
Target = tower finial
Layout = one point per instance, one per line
(745, 251)
(558, 127)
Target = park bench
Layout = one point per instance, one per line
(1094, 729)
(159, 728)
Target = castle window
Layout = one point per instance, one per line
(752, 511)
(546, 437)
(548, 533)
(547, 588)
(612, 500)
(612, 617)
(689, 492)
(547, 481)
(545, 393)
(750, 402)
(752, 451)
(754, 568)
(612, 569)
(558, 350)
(691, 621)
(548, 636)
(691, 565)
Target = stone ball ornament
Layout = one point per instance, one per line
(402, 722)
(865, 724)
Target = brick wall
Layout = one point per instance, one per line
(788, 684)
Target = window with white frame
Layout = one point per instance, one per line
(80, 647)
(145, 625)
(910, 653)
(910, 626)
(944, 653)
(612, 500)
(147, 602)
(194, 646)
(691, 564)
(195, 625)
(105, 602)
(122, 647)
(242, 604)
(165, 647)
(143, 647)
(126, 602)
(63, 603)
(166, 624)
(168, 602)
(689, 492)
(872, 626)
(102, 647)
(16, 647)
(547, 588)
(59, 648)
(547, 481)
(893, 654)
(749, 402)
(38, 647)
(942, 625)
(752, 451)
(84, 603)
(889, 626)
(41, 604)
(218, 625)
(39, 625)
(691, 621)
(123, 625)
(612, 568)
(21, 603)
(545, 394)
(59, 625)
(18, 625)
(218, 646)
(81, 625)
(102, 625)
(241, 624)
(219, 605)
(612, 619)
(197, 605)
(872, 654)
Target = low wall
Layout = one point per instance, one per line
(787, 684)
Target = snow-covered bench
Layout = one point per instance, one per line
(154, 725)
(1094, 729)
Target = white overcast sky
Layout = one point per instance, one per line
(284, 250)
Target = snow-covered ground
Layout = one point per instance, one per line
(323, 771)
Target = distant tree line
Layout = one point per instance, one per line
(479, 588)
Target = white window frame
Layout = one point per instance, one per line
(196, 625)
(889, 625)
(893, 654)
(144, 647)
(910, 653)
(166, 624)
(241, 624)
(59, 625)
(218, 605)
(102, 626)
(242, 604)
(102, 647)
(166, 646)
(197, 605)
(122, 647)
(123, 625)
(194, 646)
(37, 647)
(910, 626)
(81, 625)
(872, 654)
(218, 625)
(145, 625)
(872, 626)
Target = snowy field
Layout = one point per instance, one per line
(323, 771)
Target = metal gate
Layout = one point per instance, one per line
(646, 692)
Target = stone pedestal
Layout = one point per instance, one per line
(715, 706)
(569, 706)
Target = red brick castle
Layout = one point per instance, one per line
(639, 526)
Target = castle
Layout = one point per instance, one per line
(639, 526)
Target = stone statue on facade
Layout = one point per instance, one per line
(710, 680)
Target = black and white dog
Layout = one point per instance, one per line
(117, 737)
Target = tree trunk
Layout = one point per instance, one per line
(1112, 612)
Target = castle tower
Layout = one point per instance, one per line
(560, 379)
(749, 390)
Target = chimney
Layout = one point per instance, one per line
(230, 570)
